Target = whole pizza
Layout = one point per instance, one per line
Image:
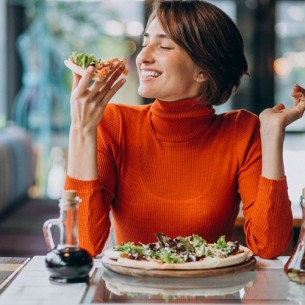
(181, 253)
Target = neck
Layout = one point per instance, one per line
(180, 121)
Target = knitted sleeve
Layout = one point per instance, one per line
(266, 205)
(93, 219)
(97, 195)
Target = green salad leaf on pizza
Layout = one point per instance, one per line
(179, 250)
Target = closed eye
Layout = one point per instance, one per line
(161, 47)
(166, 48)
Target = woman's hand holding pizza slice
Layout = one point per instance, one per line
(87, 104)
(88, 100)
(79, 62)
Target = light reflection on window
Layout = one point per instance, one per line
(289, 63)
(229, 7)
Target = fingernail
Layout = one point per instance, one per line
(91, 69)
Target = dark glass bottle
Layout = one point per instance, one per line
(295, 266)
(66, 262)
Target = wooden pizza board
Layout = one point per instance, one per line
(112, 265)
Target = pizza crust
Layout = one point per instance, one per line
(77, 69)
(113, 254)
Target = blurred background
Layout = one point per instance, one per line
(35, 38)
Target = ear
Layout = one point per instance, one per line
(200, 77)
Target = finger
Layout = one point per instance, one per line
(296, 114)
(75, 80)
(97, 85)
(301, 106)
(296, 94)
(298, 97)
(114, 89)
(298, 91)
(108, 81)
(278, 107)
(296, 87)
(86, 79)
(299, 88)
(109, 87)
(114, 75)
(297, 110)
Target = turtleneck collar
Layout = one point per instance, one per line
(180, 121)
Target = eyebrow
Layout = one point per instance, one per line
(162, 36)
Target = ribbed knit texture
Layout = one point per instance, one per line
(180, 169)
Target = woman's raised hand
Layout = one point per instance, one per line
(298, 93)
(88, 101)
(280, 116)
(273, 123)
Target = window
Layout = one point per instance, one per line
(229, 7)
(289, 64)
(56, 29)
(2, 63)
(242, 13)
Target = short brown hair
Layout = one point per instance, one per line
(210, 38)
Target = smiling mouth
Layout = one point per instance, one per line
(149, 74)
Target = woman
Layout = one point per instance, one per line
(174, 166)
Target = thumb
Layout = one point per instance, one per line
(278, 107)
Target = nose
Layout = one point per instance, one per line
(146, 55)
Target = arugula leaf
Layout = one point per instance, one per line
(198, 241)
(129, 248)
(162, 239)
(167, 257)
(83, 60)
(221, 243)
(180, 249)
(201, 251)
(185, 244)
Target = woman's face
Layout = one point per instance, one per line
(165, 70)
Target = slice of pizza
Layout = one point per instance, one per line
(180, 253)
(79, 62)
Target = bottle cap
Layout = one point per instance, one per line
(68, 195)
(69, 200)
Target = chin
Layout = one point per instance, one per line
(146, 94)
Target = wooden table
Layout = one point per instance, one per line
(267, 284)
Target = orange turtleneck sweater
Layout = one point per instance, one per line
(180, 169)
